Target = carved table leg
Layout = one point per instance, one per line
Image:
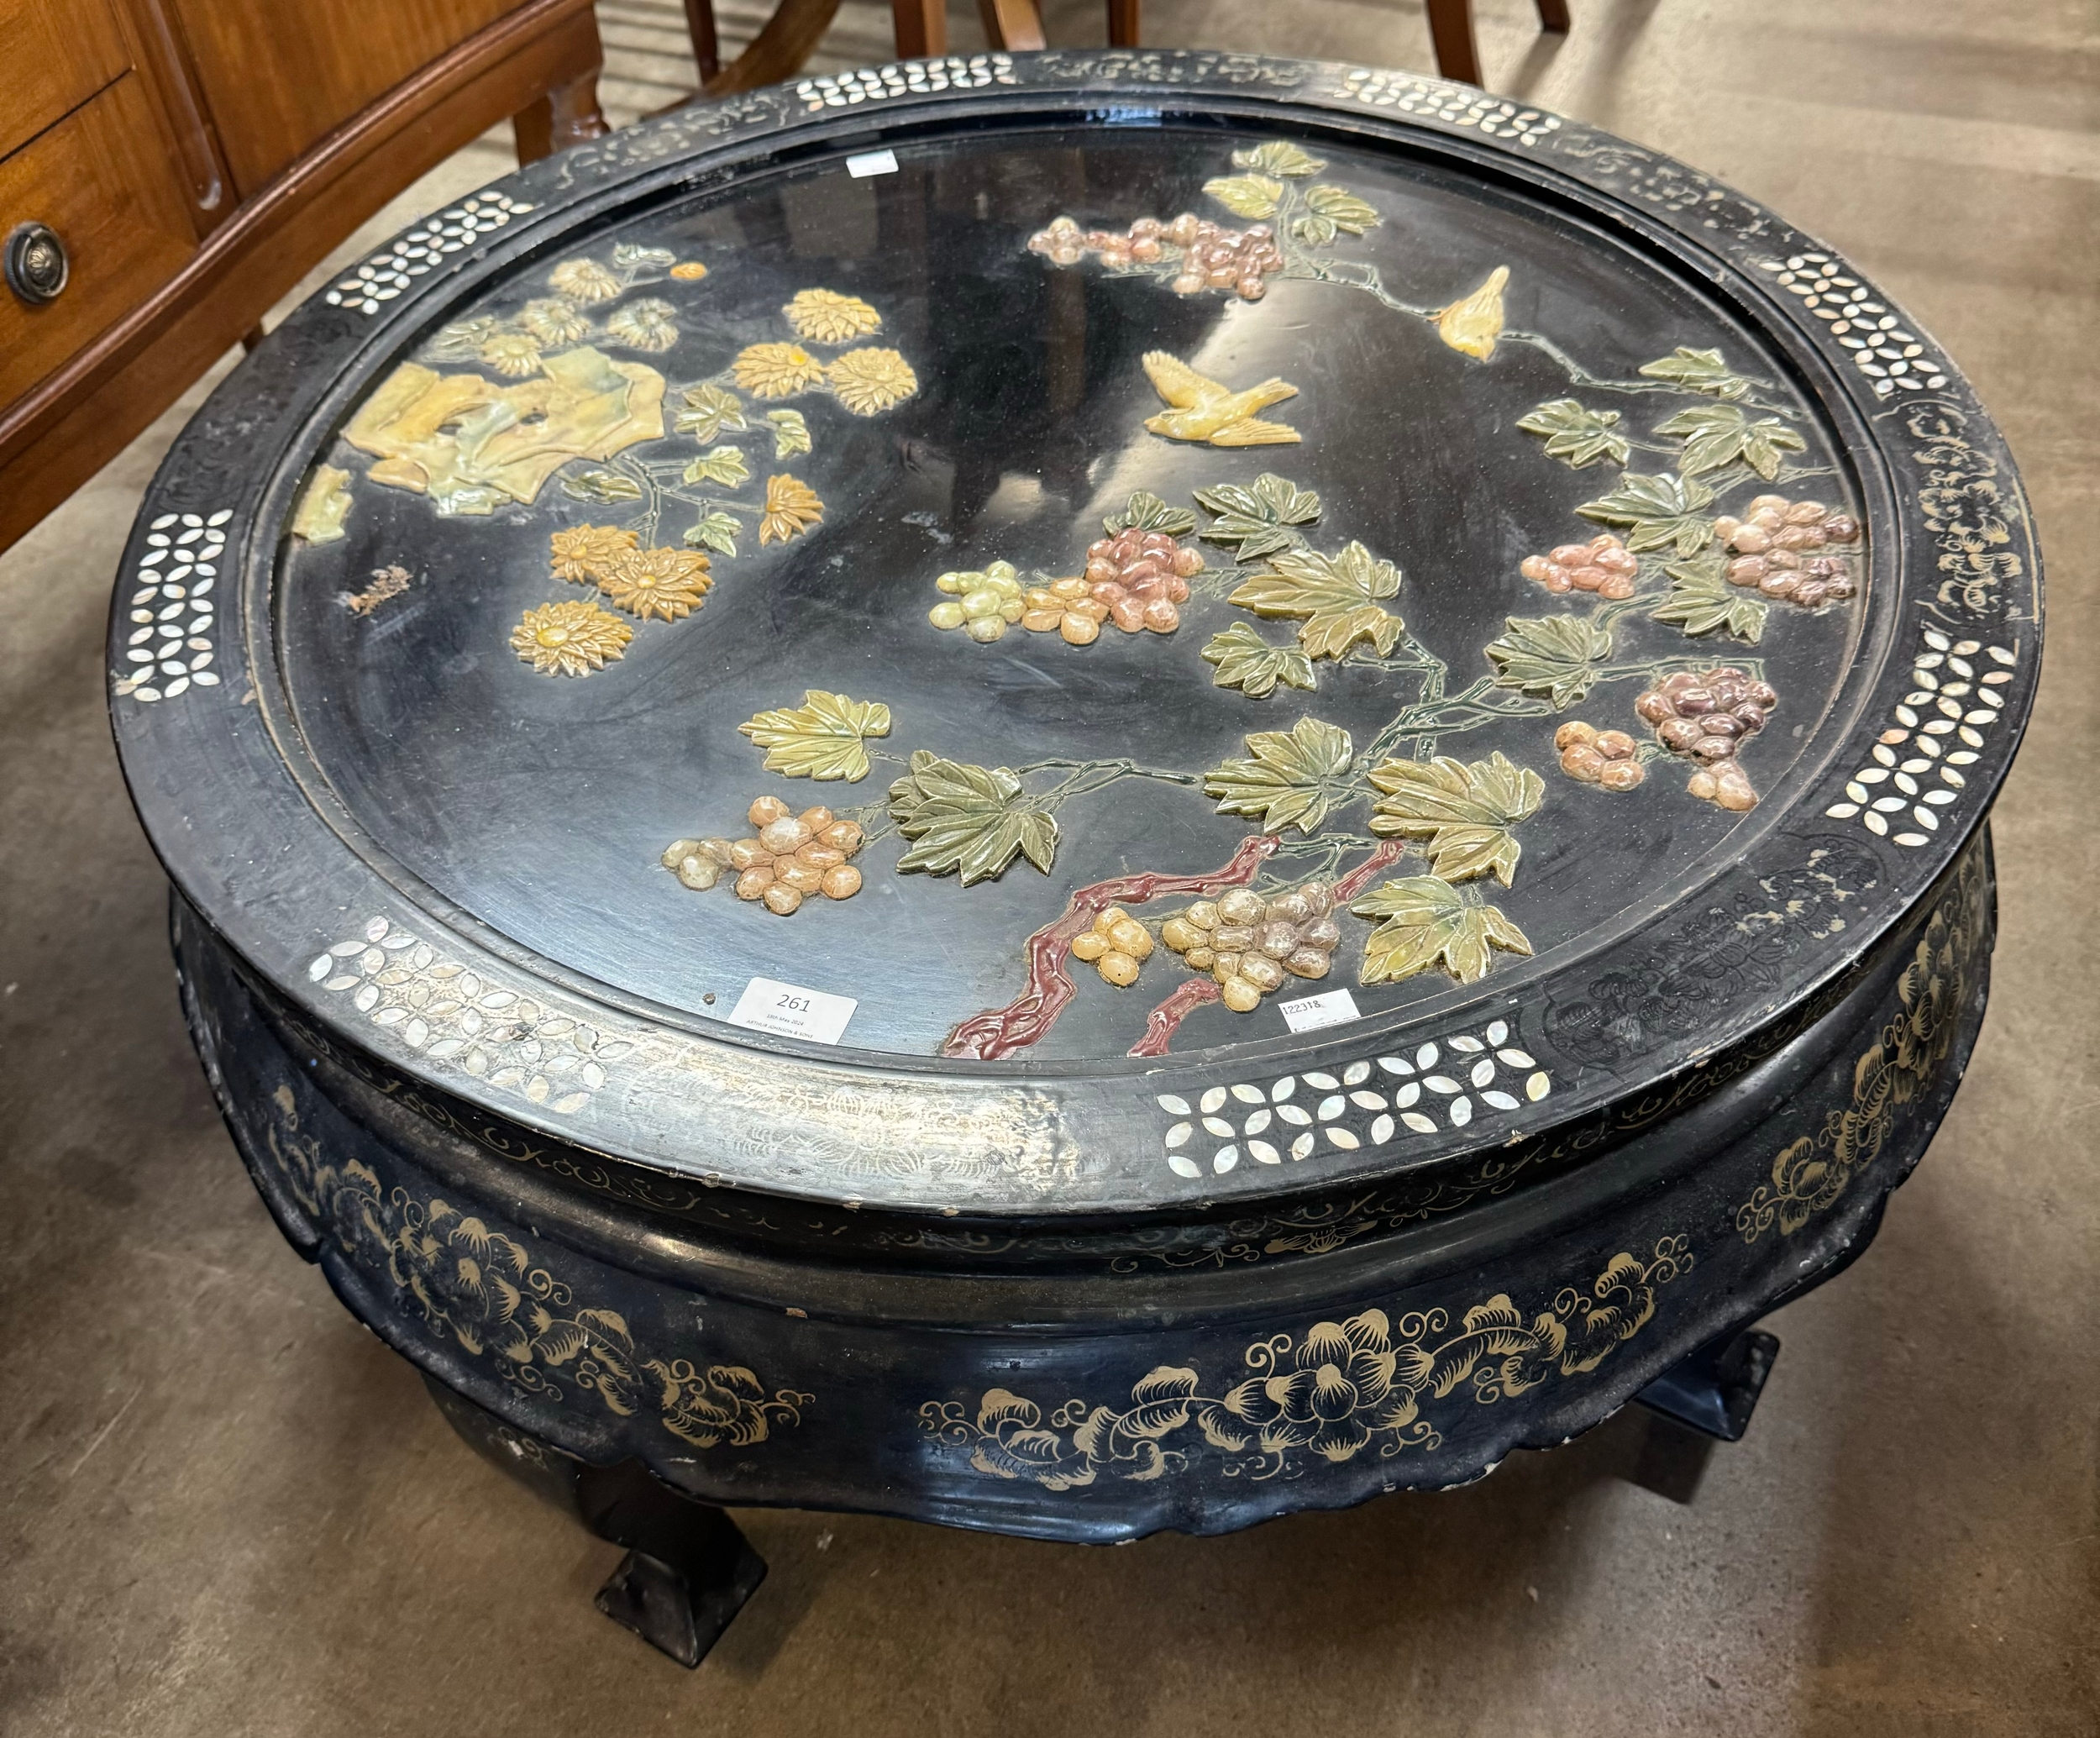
(1715, 1390)
(688, 1570)
(1707, 1399)
(568, 114)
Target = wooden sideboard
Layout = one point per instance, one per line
(169, 168)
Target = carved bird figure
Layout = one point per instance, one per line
(1206, 410)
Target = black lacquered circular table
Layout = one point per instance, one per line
(1079, 793)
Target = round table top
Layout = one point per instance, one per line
(1076, 633)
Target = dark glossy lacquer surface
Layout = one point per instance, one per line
(540, 805)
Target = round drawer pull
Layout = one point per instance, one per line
(37, 267)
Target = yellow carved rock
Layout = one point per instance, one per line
(324, 507)
(469, 443)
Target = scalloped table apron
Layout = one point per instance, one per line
(1076, 793)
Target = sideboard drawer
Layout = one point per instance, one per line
(55, 56)
(100, 181)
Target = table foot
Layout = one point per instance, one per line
(1715, 1390)
(688, 1570)
(1707, 1399)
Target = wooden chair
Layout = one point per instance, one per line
(1451, 32)
(789, 37)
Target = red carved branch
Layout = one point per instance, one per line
(1165, 1021)
(1348, 886)
(999, 1033)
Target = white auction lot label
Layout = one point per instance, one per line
(869, 163)
(1309, 1013)
(790, 1011)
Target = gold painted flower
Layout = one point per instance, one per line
(512, 353)
(1474, 322)
(553, 321)
(587, 553)
(645, 325)
(583, 281)
(868, 381)
(688, 271)
(665, 584)
(776, 370)
(791, 506)
(826, 317)
(570, 639)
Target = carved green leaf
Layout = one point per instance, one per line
(1552, 657)
(710, 410)
(1658, 512)
(824, 737)
(1575, 433)
(462, 340)
(1465, 810)
(724, 465)
(1315, 232)
(1246, 195)
(1279, 157)
(602, 486)
(1701, 599)
(1258, 520)
(1698, 371)
(1343, 209)
(790, 433)
(1292, 780)
(1337, 595)
(630, 258)
(1718, 435)
(974, 819)
(1247, 662)
(1146, 511)
(717, 531)
(1428, 924)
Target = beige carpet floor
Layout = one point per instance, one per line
(226, 1510)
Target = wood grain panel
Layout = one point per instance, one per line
(277, 79)
(118, 207)
(54, 55)
(77, 419)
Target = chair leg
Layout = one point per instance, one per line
(1122, 21)
(1451, 32)
(566, 115)
(1553, 16)
(699, 25)
(922, 28)
(1011, 24)
(789, 37)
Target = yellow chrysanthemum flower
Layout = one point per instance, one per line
(587, 553)
(776, 370)
(791, 506)
(511, 352)
(868, 381)
(570, 639)
(645, 325)
(666, 584)
(826, 317)
(583, 281)
(553, 321)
